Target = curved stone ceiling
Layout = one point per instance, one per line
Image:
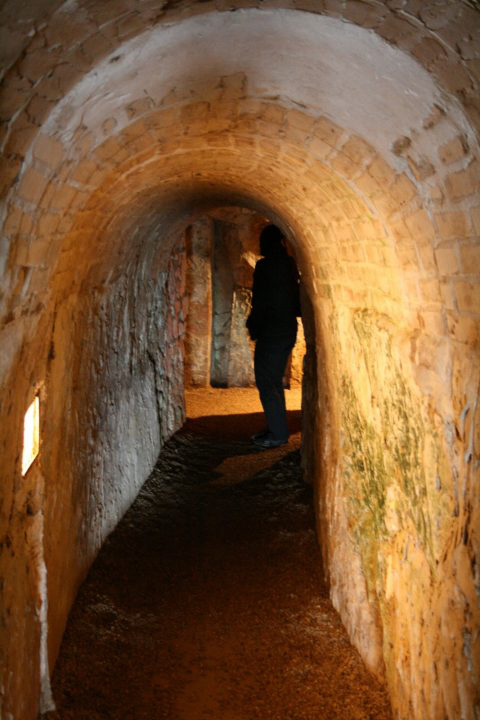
(334, 68)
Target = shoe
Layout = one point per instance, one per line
(267, 442)
(259, 435)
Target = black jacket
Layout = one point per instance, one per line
(275, 299)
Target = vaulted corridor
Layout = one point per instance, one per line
(143, 146)
(208, 602)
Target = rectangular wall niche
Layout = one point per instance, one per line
(31, 435)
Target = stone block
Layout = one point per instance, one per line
(139, 107)
(63, 196)
(13, 221)
(20, 139)
(130, 26)
(319, 149)
(334, 8)
(300, 121)
(251, 107)
(475, 213)
(343, 165)
(430, 290)
(421, 167)
(433, 322)
(451, 224)
(39, 108)
(48, 88)
(367, 184)
(15, 93)
(142, 143)
(403, 190)
(474, 69)
(434, 118)
(39, 252)
(464, 182)
(39, 280)
(401, 145)
(108, 149)
(273, 114)
(233, 86)
(437, 195)
(470, 257)
(83, 140)
(453, 150)
(357, 150)
(36, 65)
(48, 196)
(164, 118)
(64, 76)
(468, 296)
(32, 185)
(381, 172)
(447, 292)
(427, 257)
(464, 329)
(97, 45)
(374, 255)
(327, 131)
(199, 111)
(447, 261)
(48, 223)
(386, 204)
(27, 223)
(84, 172)
(137, 129)
(396, 30)
(109, 125)
(428, 51)
(48, 150)
(227, 109)
(364, 14)
(453, 75)
(420, 225)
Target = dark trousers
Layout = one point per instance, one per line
(270, 361)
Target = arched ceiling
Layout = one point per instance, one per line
(127, 109)
(332, 68)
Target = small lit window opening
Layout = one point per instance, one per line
(31, 435)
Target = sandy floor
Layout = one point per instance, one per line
(207, 601)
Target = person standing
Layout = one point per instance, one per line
(272, 324)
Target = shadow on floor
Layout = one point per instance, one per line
(237, 427)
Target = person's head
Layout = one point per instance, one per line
(272, 241)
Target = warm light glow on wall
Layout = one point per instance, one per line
(31, 435)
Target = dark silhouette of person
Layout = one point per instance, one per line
(272, 323)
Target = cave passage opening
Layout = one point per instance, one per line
(235, 524)
(222, 249)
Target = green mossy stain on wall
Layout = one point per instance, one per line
(364, 464)
(366, 482)
(386, 448)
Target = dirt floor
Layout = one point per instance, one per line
(207, 602)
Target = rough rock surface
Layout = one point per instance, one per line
(207, 601)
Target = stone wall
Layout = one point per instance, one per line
(109, 370)
(375, 176)
(400, 518)
(198, 337)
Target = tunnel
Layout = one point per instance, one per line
(353, 125)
